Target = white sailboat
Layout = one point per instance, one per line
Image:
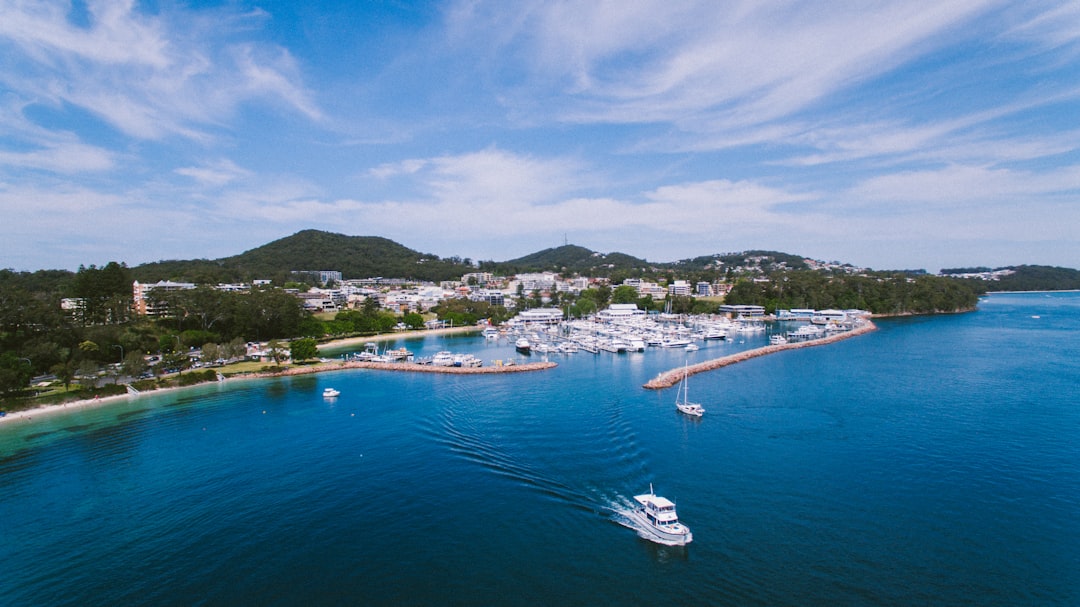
(682, 400)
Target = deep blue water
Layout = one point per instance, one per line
(933, 462)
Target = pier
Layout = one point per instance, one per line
(668, 379)
(409, 367)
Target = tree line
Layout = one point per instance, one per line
(880, 292)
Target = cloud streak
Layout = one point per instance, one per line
(150, 76)
(889, 134)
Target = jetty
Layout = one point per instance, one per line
(668, 379)
(408, 367)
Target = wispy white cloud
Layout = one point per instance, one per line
(171, 73)
(61, 157)
(662, 129)
(215, 174)
(723, 64)
(968, 186)
(1048, 24)
(495, 198)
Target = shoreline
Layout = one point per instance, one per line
(86, 403)
(666, 379)
(671, 377)
(400, 366)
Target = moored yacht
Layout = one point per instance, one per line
(443, 359)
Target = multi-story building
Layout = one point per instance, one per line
(679, 287)
(146, 305)
(324, 276)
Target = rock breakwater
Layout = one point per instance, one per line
(668, 379)
(409, 367)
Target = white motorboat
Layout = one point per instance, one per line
(691, 347)
(682, 399)
(523, 345)
(675, 342)
(330, 393)
(658, 519)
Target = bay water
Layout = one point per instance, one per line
(935, 461)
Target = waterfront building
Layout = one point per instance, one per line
(544, 316)
(824, 317)
(745, 311)
(620, 312)
(795, 314)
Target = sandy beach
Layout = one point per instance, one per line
(75, 405)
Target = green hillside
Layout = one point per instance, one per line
(568, 259)
(1036, 278)
(353, 256)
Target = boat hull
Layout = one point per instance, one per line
(660, 536)
(691, 409)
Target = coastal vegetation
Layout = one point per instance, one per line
(879, 292)
(80, 326)
(353, 256)
(1022, 278)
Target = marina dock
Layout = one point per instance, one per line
(409, 367)
(668, 379)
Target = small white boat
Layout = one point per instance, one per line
(777, 339)
(659, 520)
(330, 393)
(522, 345)
(682, 399)
(675, 342)
(443, 359)
(691, 347)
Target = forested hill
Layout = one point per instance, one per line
(1032, 278)
(573, 259)
(569, 259)
(353, 256)
(372, 256)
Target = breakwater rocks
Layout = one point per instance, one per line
(409, 367)
(668, 379)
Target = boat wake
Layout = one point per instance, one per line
(607, 447)
(460, 434)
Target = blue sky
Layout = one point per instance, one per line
(916, 134)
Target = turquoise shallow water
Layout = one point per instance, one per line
(935, 461)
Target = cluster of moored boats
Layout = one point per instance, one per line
(655, 515)
(450, 359)
(372, 354)
(619, 336)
